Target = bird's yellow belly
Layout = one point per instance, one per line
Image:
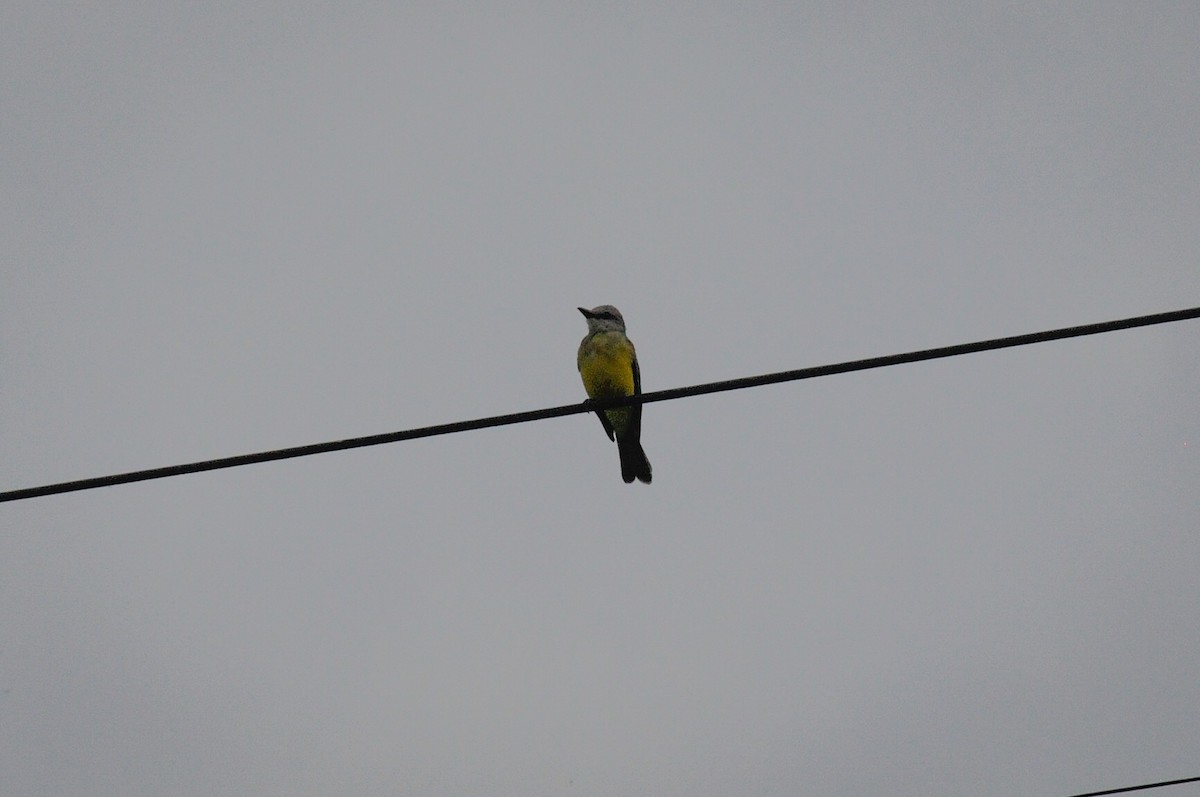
(607, 368)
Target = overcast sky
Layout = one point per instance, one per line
(235, 227)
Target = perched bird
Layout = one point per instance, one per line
(608, 364)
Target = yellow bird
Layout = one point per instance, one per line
(608, 364)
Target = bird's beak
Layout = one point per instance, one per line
(586, 313)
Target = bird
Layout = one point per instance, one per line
(608, 364)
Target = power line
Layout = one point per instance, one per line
(1138, 788)
(589, 406)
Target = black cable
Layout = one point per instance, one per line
(1138, 788)
(588, 406)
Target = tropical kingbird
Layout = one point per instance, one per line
(608, 364)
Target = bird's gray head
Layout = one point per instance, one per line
(604, 318)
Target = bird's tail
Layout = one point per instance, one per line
(634, 464)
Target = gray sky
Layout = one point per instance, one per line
(271, 224)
